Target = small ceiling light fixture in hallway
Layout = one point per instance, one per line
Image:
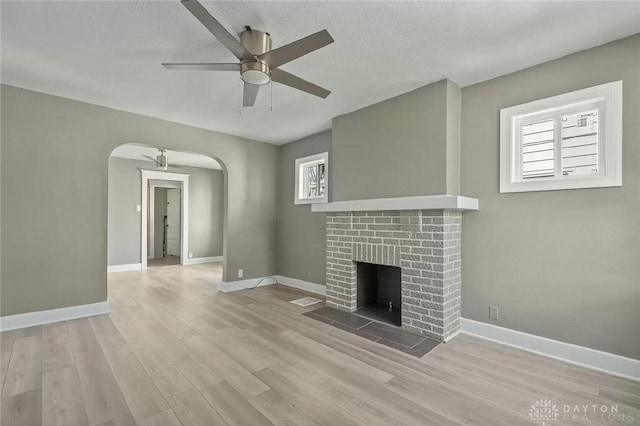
(259, 64)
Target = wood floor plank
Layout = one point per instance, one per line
(445, 400)
(126, 420)
(106, 332)
(227, 310)
(352, 401)
(62, 402)
(6, 346)
(395, 408)
(507, 386)
(233, 407)
(598, 379)
(193, 410)
(164, 373)
(141, 394)
(29, 332)
(170, 321)
(56, 347)
(632, 400)
(24, 372)
(280, 411)
(320, 357)
(84, 344)
(128, 327)
(102, 396)
(236, 375)
(309, 402)
(23, 409)
(189, 364)
(164, 418)
(220, 309)
(233, 342)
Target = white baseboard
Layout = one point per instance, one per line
(30, 319)
(302, 285)
(227, 287)
(199, 260)
(124, 268)
(573, 354)
(452, 336)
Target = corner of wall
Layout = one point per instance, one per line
(453, 131)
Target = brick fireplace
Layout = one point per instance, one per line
(424, 243)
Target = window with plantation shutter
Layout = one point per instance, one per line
(312, 179)
(565, 142)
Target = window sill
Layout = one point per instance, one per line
(319, 200)
(561, 184)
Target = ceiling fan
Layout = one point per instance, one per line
(259, 64)
(161, 160)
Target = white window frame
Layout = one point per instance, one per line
(323, 157)
(606, 98)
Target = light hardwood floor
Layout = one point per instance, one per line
(174, 351)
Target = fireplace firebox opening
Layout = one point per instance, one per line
(378, 292)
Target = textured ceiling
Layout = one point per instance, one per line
(177, 158)
(109, 53)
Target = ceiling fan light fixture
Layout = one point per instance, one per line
(255, 73)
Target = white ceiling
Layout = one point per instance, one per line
(174, 158)
(109, 53)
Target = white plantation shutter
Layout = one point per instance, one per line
(538, 149)
(567, 141)
(580, 143)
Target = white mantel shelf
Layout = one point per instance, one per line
(429, 202)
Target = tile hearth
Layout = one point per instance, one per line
(387, 335)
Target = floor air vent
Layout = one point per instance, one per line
(306, 301)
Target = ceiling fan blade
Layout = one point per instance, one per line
(202, 67)
(152, 159)
(296, 82)
(249, 94)
(216, 28)
(291, 51)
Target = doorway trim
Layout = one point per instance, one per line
(183, 178)
(153, 184)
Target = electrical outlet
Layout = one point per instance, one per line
(240, 273)
(190, 255)
(138, 208)
(493, 312)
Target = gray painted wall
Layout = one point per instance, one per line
(398, 147)
(206, 199)
(453, 118)
(123, 230)
(206, 211)
(159, 212)
(55, 155)
(301, 234)
(559, 264)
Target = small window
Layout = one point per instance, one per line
(563, 142)
(312, 179)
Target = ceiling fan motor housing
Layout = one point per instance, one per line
(162, 159)
(255, 71)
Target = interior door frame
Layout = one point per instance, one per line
(183, 178)
(153, 184)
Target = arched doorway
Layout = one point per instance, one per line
(136, 174)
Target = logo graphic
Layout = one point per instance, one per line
(543, 410)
